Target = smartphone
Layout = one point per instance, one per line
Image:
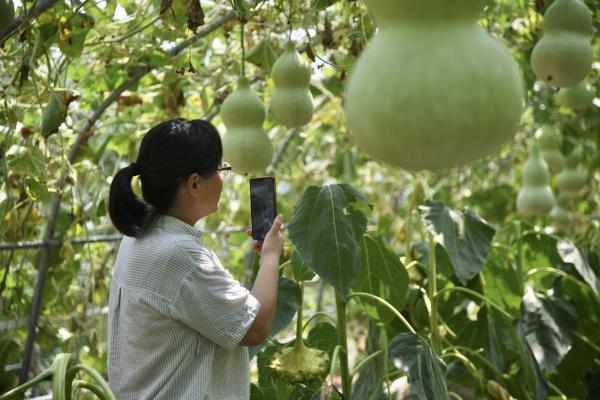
(263, 205)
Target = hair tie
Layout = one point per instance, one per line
(135, 169)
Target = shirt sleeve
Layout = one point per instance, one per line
(211, 301)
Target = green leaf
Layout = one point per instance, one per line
(532, 377)
(262, 55)
(54, 113)
(538, 250)
(323, 337)
(369, 385)
(500, 282)
(29, 160)
(425, 371)
(35, 189)
(381, 274)
(299, 268)
(466, 237)
(288, 295)
(548, 324)
(324, 228)
(570, 254)
(72, 34)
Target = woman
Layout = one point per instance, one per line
(178, 321)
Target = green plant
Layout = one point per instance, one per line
(399, 107)
(65, 384)
(536, 196)
(563, 56)
(561, 214)
(292, 102)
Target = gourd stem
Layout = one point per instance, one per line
(316, 315)
(243, 49)
(343, 343)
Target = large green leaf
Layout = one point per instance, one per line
(531, 374)
(465, 236)
(500, 282)
(288, 295)
(548, 324)
(325, 227)
(425, 371)
(299, 268)
(570, 254)
(381, 274)
(323, 337)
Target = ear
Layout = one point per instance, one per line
(194, 184)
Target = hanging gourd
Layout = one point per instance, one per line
(563, 56)
(535, 197)
(550, 141)
(572, 179)
(292, 102)
(433, 89)
(245, 145)
(560, 214)
(577, 97)
(7, 13)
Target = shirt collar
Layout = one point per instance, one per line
(175, 225)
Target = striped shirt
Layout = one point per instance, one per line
(176, 318)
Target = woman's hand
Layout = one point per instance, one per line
(274, 239)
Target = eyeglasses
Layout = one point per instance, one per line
(224, 169)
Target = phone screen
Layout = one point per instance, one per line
(263, 205)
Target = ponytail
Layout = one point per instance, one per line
(169, 153)
(127, 212)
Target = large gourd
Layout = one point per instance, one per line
(550, 141)
(292, 102)
(563, 56)
(7, 13)
(535, 197)
(572, 179)
(245, 145)
(433, 89)
(577, 97)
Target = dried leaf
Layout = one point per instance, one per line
(194, 15)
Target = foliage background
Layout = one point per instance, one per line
(130, 43)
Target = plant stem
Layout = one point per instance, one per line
(316, 315)
(299, 325)
(16, 392)
(478, 295)
(340, 306)
(518, 260)
(432, 289)
(364, 361)
(388, 305)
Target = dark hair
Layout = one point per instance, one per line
(169, 153)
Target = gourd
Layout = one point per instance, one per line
(577, 97)
(245, 145)
(535, 197)
(550, 142)
(7, 13)
(572, 179)
(432, 90)
(292, 102)
(55, 113)
(563, 56)
(560, 214)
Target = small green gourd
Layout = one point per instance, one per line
(55, 113)
(292, 102)
(245, 145)
(7, 13)
(563, 56)
(572, 179)
(550, 142)
(577, 97)
(535, 197)
(560, 214)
